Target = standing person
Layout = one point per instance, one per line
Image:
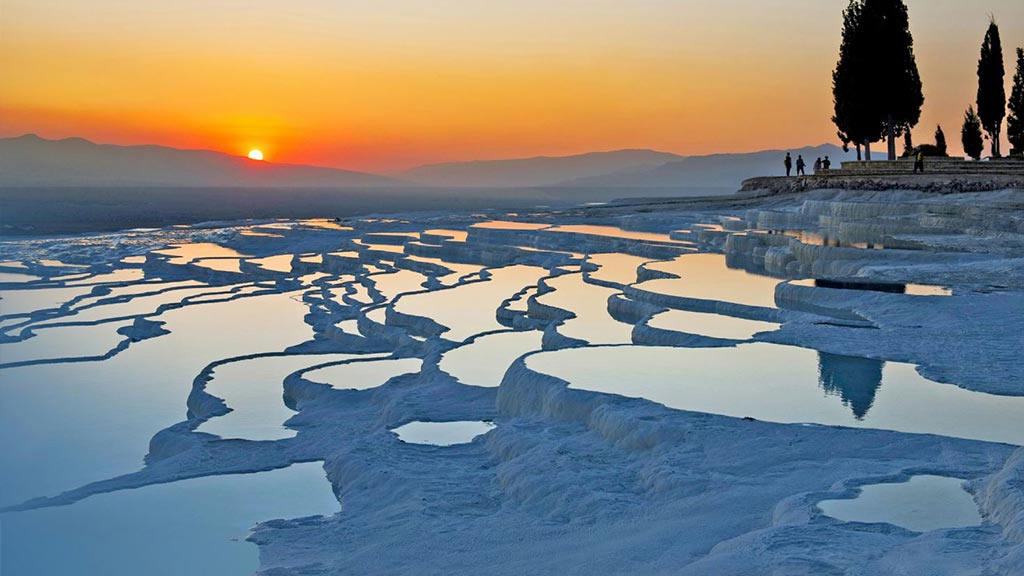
(826, 164)
(800, 165)
(788, 163)
(817, 165)
(919, 162)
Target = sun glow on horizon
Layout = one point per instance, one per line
(391, 85)
(255, 154)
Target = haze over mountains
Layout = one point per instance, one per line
(33, 161)
(713, 171)
(29, 160)
(537, 171)
(621, 169)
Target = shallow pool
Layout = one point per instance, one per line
(471, 308)
(789, 385)
(442, 433)
(616, 268)
(194, 526)
(253, 389)
(921, 504)
(710, 325)
(589, 303)
(94, 420)
(483, 361)
(363, 375)
(708, 277)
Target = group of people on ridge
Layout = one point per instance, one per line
(826, 164)
(801, 166)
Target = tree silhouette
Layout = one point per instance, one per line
(896, 81)
(876, 84)
(853, 116)
(1015, 122)
(991, 91)
(855, 380)
(971, 137)
(940, 141)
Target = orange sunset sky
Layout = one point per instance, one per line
(388, 84)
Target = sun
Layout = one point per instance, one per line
(255, 154)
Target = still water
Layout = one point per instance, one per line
(441, 433)
(921, 504)
(789, 385)
(189, 527)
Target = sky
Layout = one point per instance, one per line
(382, 85)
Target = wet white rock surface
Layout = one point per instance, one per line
(616, 349)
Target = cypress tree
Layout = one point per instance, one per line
(876, 84)
(991, 91)
(940, 142)
(970, 135)
(844, 82)
(856, 122)
(1015, 122)
(908, 144)
(895, 80)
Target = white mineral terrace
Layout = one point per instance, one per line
(829, 385)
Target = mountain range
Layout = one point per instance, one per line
(32, 161)
(537, 171)
(716, 170)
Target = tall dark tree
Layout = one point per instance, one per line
(991, 90)
(971, 136)
(896, 82)
(1015, 122)
(876, 84)
(851, 78)
(940, 142)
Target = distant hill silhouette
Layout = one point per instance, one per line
(537, 171)
(33, 161)
(621, 169)
(717, 170)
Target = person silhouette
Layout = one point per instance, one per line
(826, 164)
(788, 163)
(800, 165)
(817, 165)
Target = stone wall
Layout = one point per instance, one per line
(933, 165)
(939, 183)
